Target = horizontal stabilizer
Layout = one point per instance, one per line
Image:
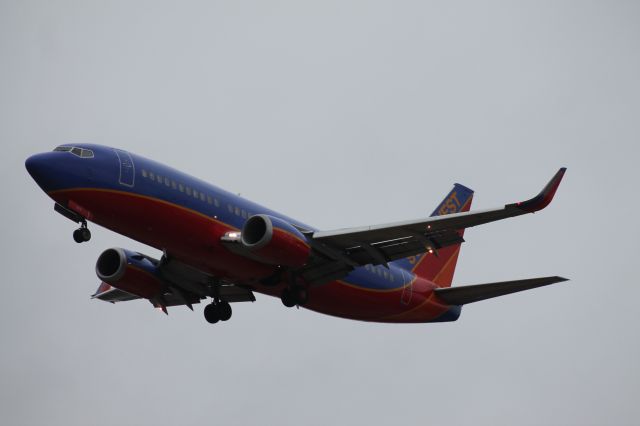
(475, 293)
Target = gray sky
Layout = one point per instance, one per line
(340, 114)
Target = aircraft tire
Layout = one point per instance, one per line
(85, 233)
(211, 314)
(224, 311)
(288, 298)
(77, 236)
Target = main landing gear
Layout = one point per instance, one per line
(82, 234)
(292, 296)
(217, 311)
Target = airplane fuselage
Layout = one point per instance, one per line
(186, 218)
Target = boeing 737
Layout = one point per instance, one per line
(219, 246)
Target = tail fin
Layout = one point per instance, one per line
(440, 266)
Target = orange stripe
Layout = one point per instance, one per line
(376, 290)
(451, 259)
(146, 197)
(403, 314)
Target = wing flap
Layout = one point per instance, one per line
(463, 295)
(234, 293)
(111, 294)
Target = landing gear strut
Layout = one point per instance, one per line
(82, 234)
(217, 311)
(294, 296)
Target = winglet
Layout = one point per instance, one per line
(545, 196)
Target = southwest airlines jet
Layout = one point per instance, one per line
(219, 246)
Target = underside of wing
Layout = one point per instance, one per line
(128, 275)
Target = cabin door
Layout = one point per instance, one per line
(127, 168)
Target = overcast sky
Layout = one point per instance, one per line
(338, 113)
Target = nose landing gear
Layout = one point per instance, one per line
(82, 234)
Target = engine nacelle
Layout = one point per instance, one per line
(275, 241)
(129, 271)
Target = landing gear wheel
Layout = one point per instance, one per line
(82, 234)
(211, 314)
(288, 298)
(86, 234)
(224, 311)
(77, 236)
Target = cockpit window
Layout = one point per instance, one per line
(79, 152)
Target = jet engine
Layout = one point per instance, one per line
(275, 241)
(129, 271)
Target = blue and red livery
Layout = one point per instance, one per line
(221, 246)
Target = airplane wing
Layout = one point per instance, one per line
(339, 251)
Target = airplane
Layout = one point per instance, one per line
(219, 246)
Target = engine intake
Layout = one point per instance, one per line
(129, 271)
(111, 264)
(275, 241)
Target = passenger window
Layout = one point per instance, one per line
(195, 194)
(244, 214)
(144, 173)
(181, 187)
(201, 196)
(187, 190)
(152, 176)
(167, 181)
(216, 202)
(173, 184)
(237, 211)
(230, 208)
(209, 200)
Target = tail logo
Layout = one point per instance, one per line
(450, 205)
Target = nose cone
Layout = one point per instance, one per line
(36, 165)
(44, 169)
